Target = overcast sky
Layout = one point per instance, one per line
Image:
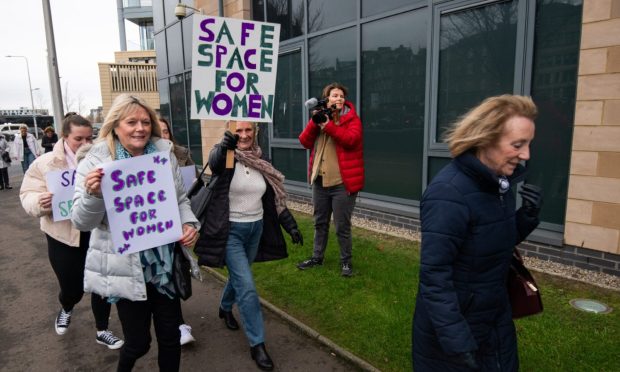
(86, 32)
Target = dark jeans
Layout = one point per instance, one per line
(68, 265)
(28, 159)
(328, 200)
(136, 320)
(4, 177)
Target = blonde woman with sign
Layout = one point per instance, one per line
(140, 283)
(66, 245)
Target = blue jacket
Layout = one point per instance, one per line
(469, 230)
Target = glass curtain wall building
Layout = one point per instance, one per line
(412, 67)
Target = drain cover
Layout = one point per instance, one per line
(590, 306)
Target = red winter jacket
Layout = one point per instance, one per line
(349, 147)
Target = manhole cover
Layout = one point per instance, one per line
(590, 306)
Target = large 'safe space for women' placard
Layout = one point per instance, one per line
(141, 202)
(234, 65)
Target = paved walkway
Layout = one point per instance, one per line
(29, 305)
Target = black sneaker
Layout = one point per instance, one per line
(312, 262)
(108, 339)
(347, 270)
(63, 319)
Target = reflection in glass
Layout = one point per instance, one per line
(333, 58)
(188, 24)
(393, 88)
(323, 14)
(161, 54)
(175, 49)
(554, 84)
(289, 14)
(258, 10)
(195, 139)
(291, 162)
(287, 113)
(164, 100)
(372, 7)
(476, 58)
(179, 112)
(158, 15)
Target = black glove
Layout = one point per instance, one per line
(296, 237)
(532, 199)
(229, 141)
(469, 359)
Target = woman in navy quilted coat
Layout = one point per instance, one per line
(463, 318)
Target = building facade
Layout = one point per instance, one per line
(412, 67)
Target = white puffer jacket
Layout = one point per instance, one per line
(107, 273)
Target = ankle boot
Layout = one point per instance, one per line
(260, 356)
(229, 319)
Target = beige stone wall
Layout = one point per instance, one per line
(593, 209)
(213, 130)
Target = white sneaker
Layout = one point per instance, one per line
(61, 324)
(186, 334)
(108, 339)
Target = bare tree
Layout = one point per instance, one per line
(68, 100)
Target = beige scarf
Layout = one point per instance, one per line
(252, 158)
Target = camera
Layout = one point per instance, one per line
(180, 11)
(321, 111)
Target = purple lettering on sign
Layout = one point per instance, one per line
(128, 234)
(124, 248)
(245, 27)
(115, 175)
(230, 80)
(151, 228)
(204, 27)
(254, 104)
(227, 104)
(246, 58)
(118, 204)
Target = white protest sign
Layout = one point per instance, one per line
(61, 184)
(234, 65)
(189, 176)
(141, 202)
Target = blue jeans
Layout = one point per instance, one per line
(241, 248)
(28, 159)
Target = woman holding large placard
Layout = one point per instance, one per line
(140, 283)
(66, 246)
(244, 215)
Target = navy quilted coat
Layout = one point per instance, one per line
(469, 231)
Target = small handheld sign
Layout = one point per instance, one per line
(141, 202)
(61, 184)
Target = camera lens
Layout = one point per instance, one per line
(319, 117)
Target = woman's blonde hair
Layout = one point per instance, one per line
(122, 106)
(484, 124)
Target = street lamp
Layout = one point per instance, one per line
(34, 114)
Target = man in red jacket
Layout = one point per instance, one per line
(336, 172)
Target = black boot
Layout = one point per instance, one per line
(229, 319)
(260, 356)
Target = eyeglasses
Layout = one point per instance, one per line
(70, 114)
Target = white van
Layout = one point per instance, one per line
(10, 130)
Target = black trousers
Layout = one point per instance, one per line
(68, 265)
(4, 177)
(136, 320)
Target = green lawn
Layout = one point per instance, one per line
(370, 313)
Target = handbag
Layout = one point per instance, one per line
(199, 195)
(523, 291)
(181, 273)
(6, 157)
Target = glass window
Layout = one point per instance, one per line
(289, 14)
(476, 58)
(188, 24)
(195, 136)
(554, 82)
(158, 15)
(291, 162)
(372, 7)
(333, 58)
(175, 49)
(287, 116)
(179, 111)
(435, 165)
(258, 10)
(392, 103)
(164, 100)
(323, 14)
(161, 54)
(169, 11)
